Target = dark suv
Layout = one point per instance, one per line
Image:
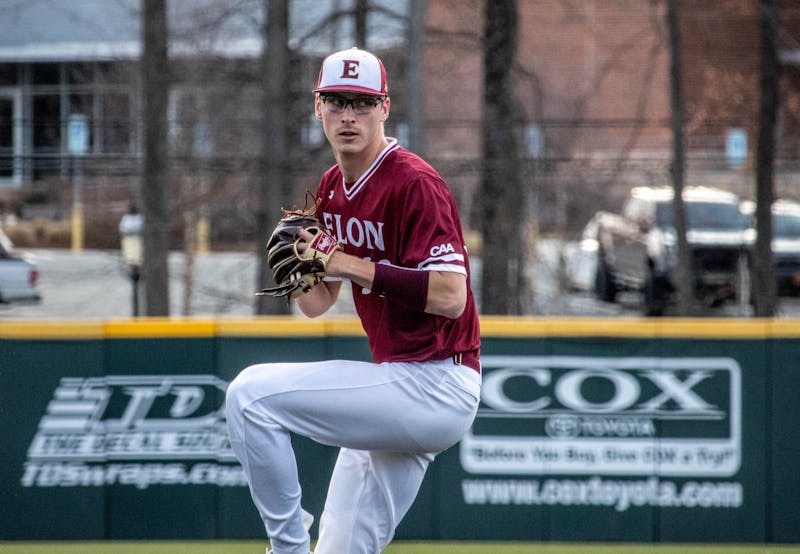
(785, 243)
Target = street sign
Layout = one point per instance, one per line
(77, 134)
(736, 147)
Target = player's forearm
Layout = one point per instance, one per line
(447, 294)
(360, 272)
(319, 299)
(444, 294)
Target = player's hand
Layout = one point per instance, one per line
(304, 239)
(297, 253)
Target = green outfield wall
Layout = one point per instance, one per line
(667, 430)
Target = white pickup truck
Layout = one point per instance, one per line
(637, 249)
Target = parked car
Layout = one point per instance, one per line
(18, 274)
(579, 257)
(785, 242)
(638, 247)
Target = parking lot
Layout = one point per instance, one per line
(95, 284)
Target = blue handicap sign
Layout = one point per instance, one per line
(736, 147)
(77, 134)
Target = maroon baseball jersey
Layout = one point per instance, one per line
(402, 213)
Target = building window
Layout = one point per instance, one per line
(79, 73)
(8, 74)
(6, 137)
(45, 74)
(116, 124)
(190, 130)
(47, 122)
(46, 134)
(81, 103)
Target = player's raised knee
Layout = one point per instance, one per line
(237, 389)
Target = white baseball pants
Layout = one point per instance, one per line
(389, 419)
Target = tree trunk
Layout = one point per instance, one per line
(683, 275)
(274, 176)
(764, 272)
(505, 218)
(416, 85)
(155, 178)
(361, 10)
(189, 251)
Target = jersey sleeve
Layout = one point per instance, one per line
(432, 239)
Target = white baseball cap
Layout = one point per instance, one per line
(353, 70)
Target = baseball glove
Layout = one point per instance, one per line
(293, 271)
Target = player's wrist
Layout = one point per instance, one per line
(407, 286)
(336, 263)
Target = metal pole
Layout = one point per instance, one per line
(77, 223)
(135, 276)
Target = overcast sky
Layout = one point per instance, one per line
(49, 29)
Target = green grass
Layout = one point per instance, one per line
(399, 547)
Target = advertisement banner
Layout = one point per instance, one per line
(577, 438)
(607, 416)
(30, 371)
(604, 438)
(784, 433)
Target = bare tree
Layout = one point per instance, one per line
(683, 277)
(360, 19)
(764, 272)
(275, 110)
(416, 98)
(155, 180)
(505, 239)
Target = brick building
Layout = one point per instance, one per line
(594, 104)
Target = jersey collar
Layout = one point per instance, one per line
(351, 190)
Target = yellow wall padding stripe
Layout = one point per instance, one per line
(491, 326)
(723, 328)
(283, 326)
(784, 328)
(270, 326)
(500, 326)
(159, 328)
(49, 330)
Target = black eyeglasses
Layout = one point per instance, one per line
(361, 105)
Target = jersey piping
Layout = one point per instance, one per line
(440, 264)
(351, 191)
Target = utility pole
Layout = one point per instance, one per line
(765, 294)
(155, 178)
(275, 113)
(677, 169)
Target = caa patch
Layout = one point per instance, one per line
(442, 249)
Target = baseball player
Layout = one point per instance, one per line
(399, 244)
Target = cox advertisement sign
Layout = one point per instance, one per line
(621, 432)
(611, 416)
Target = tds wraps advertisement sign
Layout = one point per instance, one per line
(599, 431)
(133, 430)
